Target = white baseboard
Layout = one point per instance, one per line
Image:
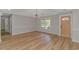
(75, 41)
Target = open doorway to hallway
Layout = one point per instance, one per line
(5, 27)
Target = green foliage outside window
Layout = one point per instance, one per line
(45, 23)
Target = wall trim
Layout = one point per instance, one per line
(75, 41)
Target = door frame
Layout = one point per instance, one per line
(70, 15)
(69, 24)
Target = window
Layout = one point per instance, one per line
(45, 23)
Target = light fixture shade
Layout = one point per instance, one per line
(36, 13)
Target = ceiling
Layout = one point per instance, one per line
(32, 12)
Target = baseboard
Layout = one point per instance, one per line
(75, 41)
(47, 33)
(34, 31)
(43, 32)
(21, 33)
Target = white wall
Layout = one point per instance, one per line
(55, 24)
(22, 24)
(75, 24)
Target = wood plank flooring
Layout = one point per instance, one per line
(37, 41)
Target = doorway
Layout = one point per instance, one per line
(5, 28)
(66, 26)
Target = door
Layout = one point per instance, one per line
(65, 26)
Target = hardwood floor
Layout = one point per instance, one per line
(37, 41)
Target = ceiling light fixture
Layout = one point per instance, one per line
(36, 13)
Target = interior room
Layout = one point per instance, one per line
(5, 26)
(39, 29)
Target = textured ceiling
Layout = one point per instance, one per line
(32, 12)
